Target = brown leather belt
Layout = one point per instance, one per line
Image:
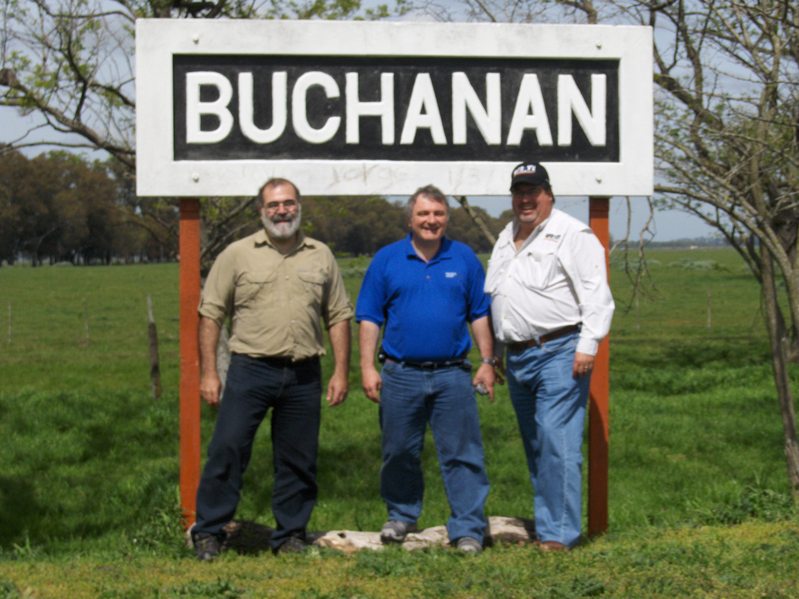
(517, 346)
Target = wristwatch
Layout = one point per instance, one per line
(492, 360)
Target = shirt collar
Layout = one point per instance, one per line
(513, 227)
(261, 239)
(441, 254)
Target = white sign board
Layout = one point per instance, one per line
(382, 108)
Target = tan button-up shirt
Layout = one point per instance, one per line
(276, 301)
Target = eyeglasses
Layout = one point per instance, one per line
(287, 204)
(531, 192)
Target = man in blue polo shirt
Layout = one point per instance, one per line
(424, 290)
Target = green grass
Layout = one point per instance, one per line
(748, 560)
(88, 480)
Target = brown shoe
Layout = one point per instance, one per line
(551, 546)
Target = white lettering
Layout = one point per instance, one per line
(279, 108)
(423, 112)
(571, 100)
(195, 107)
(529, 97)
(299, 114)
(483, 112)
(487, 118)
(384, 108)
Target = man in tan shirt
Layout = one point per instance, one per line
(277, 286)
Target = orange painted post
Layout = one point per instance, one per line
(189, 357)
(599, 395)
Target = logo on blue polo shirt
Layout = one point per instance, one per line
(450, 275)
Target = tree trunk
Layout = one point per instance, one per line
(780, 343)
(478, 220)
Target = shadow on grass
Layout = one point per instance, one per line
(732, 352)
(20, 513)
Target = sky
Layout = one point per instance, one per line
(668, 225)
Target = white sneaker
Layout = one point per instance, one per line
(395, 531)
(469, 545)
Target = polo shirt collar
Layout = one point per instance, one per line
(441, 254)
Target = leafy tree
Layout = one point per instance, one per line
(59, 207)
(13, 166)
(355, 225)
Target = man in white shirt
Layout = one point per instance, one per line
(551, 306)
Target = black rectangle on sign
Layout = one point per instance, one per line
(395, 108)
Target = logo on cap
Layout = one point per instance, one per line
(524, 169)
(529, 172)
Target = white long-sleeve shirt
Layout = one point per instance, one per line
(556, 279)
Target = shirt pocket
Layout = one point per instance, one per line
(536, 269)
(251, 285)
(312, 284)
(497, 267)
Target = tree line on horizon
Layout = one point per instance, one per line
(60, 207)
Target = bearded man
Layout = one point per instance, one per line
(277, 286)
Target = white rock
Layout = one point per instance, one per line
(502, 529)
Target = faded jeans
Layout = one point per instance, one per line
(550, 410)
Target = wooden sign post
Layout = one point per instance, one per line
(599, 395)
(189, 356)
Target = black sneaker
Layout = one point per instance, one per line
(206, 547)
(291, 545)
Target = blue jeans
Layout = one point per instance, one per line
(550, 409)
(411, 397)
(254, 385)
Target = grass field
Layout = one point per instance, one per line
(88, 482)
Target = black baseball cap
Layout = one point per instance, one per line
(529, 172)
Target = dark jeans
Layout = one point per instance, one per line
(254, 385)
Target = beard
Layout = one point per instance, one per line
(283, 227)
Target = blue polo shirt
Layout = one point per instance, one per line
(425, 306)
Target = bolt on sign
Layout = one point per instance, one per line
(352, 108)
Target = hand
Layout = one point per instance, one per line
(210, 386)
(372, 383)
(583, 364)
(337, 389)
(485, 376)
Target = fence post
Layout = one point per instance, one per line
(155, 363)
(599, 395)
(189, 357)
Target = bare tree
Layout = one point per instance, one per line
(726, 144)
